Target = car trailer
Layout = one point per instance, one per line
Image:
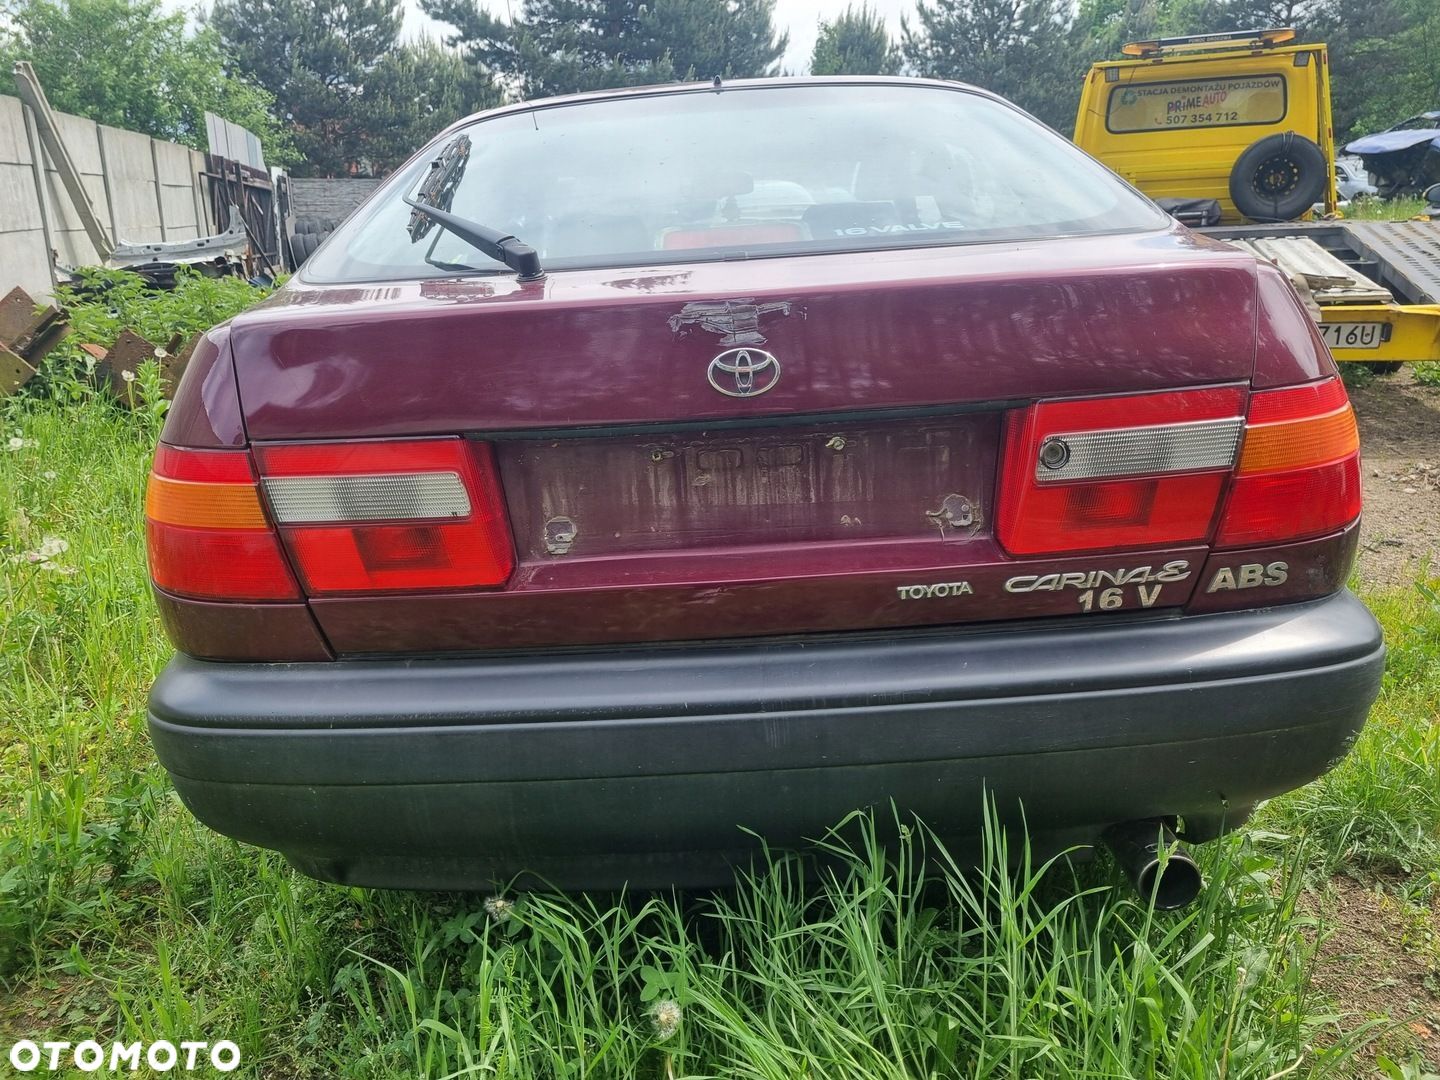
(1376, 284)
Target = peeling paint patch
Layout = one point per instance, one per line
(736, 321)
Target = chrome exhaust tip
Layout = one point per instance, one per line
(1157, 865)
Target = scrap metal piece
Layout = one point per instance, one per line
(122, 363)
(26, 336)
(14, 372)
(230, 242)
(33, 95)
(1313, 268)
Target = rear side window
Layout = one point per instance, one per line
(696, 175)
(1196, 103)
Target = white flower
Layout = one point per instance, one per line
(50, 547)
(128, 376)
(665, 1016)
(17, 443)
(56, 568)
(49, 474)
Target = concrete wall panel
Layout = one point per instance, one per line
(141, 189)
(177, 191)
(130, 179)
(24, 257)
(14, 146)
(82, 141)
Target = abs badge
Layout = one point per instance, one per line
(744, 372)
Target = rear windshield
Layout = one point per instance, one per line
(744, 172)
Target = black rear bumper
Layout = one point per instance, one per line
(645, 764)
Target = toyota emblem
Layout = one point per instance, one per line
(744, 372)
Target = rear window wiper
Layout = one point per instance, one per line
(439, 187)
(514, 253)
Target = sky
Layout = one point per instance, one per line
(800, 17)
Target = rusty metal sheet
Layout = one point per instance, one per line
(17, 314)
(14, 371)
(1325, 276)
(123, 361)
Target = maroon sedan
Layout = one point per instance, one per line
(636, 469)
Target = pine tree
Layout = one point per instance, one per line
(411, 94)
(317, 58)
(567, 46)
(1383, 61)
(856, 43)
(134, 64)
(1019, 49)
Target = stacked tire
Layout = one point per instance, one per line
(309, 234)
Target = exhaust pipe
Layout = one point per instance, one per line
(1156, 863)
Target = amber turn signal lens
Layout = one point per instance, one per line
(1296, 444)
(207, 535)
(213, 506)
(1299, 470)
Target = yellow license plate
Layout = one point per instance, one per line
(1352, 335)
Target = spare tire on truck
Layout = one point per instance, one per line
(1279, 177)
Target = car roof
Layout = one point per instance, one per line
(716, 86)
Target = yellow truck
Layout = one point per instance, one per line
(1240, 119)
(1232, 134)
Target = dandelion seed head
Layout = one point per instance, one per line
(128, 376)
(498, 908)
(665, 1015)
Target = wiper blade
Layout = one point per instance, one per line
(432, 207)
(510, 250)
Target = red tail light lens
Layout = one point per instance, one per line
(206, 531)
(379, 516)
(1299, 469)
(1135, 471)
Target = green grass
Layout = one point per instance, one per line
(120, 917)
(1385, 209)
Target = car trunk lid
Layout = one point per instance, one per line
(855, 490)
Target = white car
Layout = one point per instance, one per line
(1353, 181)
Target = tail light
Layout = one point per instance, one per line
(207, 533)
(1104, 473)
(387, 516)
(1299, 470)
(1152, 469)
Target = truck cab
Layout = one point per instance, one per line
(1242, 119)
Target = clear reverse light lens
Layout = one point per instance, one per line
(1141, 451)
(415, 496)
